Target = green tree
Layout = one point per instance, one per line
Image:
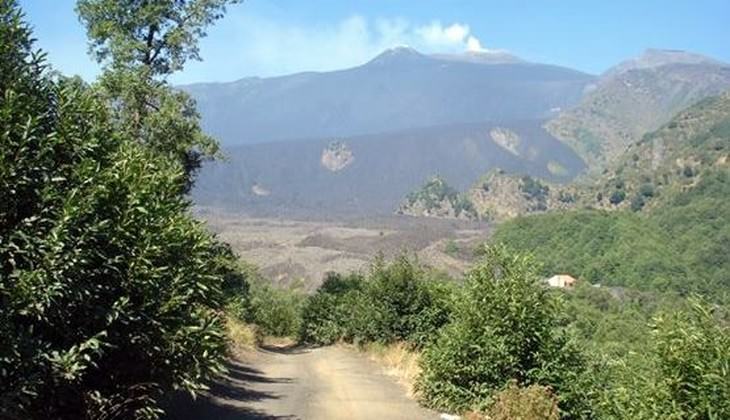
(110, 293)
(140, 43)
(397, 301)
(506, 327)
(617, 197)
(327, 314)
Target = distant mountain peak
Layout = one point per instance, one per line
(397, 53)
(656, 57)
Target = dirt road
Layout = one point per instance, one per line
(299, 383)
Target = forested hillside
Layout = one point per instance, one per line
(670, 223)
(636, 97)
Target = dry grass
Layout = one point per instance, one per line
(242, 337)
(399, 361)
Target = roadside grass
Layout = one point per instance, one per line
(242, 337)
(398, 359)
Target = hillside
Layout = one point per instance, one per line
(668, 161)
(499, 195)
(677, 180)
(496, 196)
(436, 198)
(637, 97)
(651, 172)
(366, 175)
(399, 89)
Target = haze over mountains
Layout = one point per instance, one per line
(405, 116)
(636, 97)
(399, 89)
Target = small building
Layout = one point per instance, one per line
(563, 281)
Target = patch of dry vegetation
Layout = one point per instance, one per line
(242, 337)
(399, 359)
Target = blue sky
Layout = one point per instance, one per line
(274, 37)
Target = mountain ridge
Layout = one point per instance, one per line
(399, 89)
(629, 101)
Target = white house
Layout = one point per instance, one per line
(563, 281)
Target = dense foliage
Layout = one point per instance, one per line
(616, 249)
(110, 293)
(506, 327)
(274, 310)
(534, 190)
(684, 372)
(505, 345)
(138, 52)
(681, 245)
(394, 302)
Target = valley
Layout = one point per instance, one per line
(298, 253)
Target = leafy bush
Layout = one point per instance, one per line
(110, 291)
(406, 309)
(275, 311)
(533, 189)
(647, 190)
(685, 374)
(327, 315)
(395, 302)
(637, 202)
(506, 327)
(688, 171)
(617, 197)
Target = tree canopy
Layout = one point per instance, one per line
(140, 43)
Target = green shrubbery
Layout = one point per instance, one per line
(328, 315)
(683, 374)
(504, 344)
(610, 248)
(434, 192)
(394, 302)
(506, 327)
(680, 245)
(275, 310)
(110, 292)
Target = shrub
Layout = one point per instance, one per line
(637, 202)
(452, 248)
(566, 197)
(533, 189)
(685, 374)
(506, 327)
(617, 197)
(400, 305)
(647, 190)
(275, 311)
(327, 315)
(395, 302)
(110, 291)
